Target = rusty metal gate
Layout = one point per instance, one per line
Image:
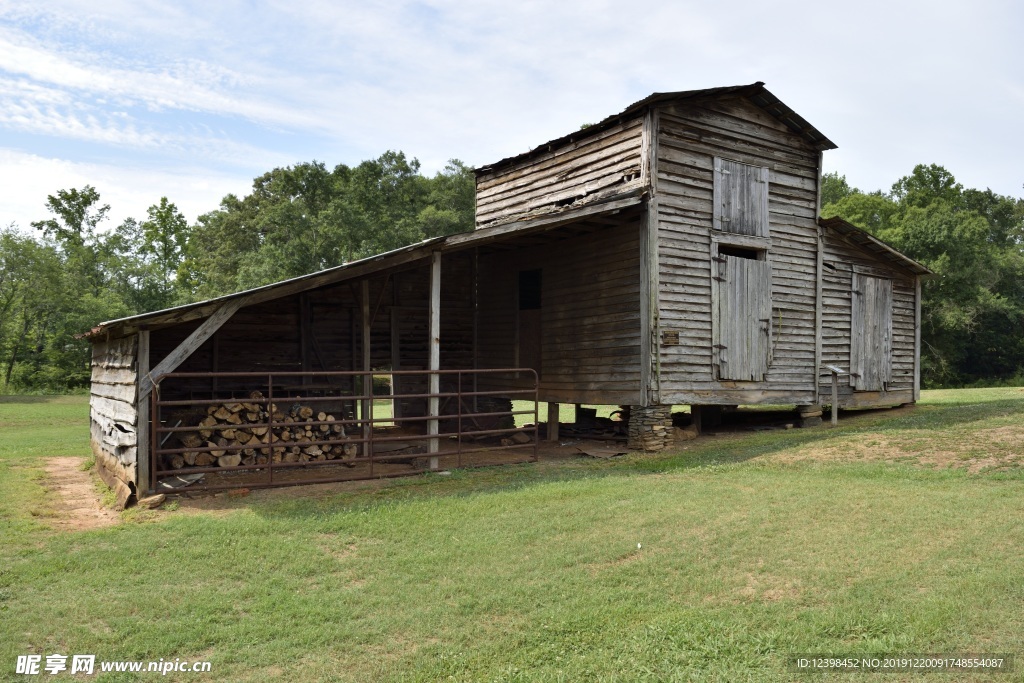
(229, 430)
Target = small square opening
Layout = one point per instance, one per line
(741, 252)
(529, 290)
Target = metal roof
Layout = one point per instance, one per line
(869, 242)
(755, 92)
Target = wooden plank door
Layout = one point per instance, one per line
(871, 333)
(741, 198)
(743, 339)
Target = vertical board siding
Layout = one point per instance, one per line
(843, 262)
(605, 163)
(112, 412)
(590, 314)
(690, 138)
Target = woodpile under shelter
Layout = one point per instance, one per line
(670, 254)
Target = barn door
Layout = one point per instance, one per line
(744, 318)
(871, 333)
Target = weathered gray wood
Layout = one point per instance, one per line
(835, 398)
(818, 278)
(434, 383)
(144, 425)
(117, 392)
(191, 343)
(117, 411)
(366, 364)
(647, 160)
(744, 315)
(544, 223)
(606, 159)
(917, 338)
(741, 198)
(591, 326)
(648, 297)
(871, 329)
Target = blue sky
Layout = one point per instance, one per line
(192, 100)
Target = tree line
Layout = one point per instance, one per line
(74, 271)
(972, 310)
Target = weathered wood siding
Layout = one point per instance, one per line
(688, 139)
(597, 166)
(843, 261)
(112, 413)
(590, 314)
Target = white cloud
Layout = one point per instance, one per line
(28, 179)
(893, 82)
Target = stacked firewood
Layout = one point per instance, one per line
(239, 433)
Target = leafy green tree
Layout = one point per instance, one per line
(76, 215)
(304, 218)
(834, 188)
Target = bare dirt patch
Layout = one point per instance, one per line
(77, 506)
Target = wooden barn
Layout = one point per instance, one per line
(670, 254)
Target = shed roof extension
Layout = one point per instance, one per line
(869, 242)
(370, 265)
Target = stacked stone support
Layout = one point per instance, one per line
(650, 428)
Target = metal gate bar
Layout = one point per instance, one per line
(363, 436)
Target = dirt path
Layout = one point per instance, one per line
(79, 507)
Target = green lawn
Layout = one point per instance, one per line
(714, 562)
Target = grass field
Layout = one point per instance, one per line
(898, 532)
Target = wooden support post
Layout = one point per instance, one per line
(215, 365)
(576, 413)
(835, 398)
(434, 384)
(917, 338)
(304, 336)
(553, 411)
(696, 418)
(191, 343)
(142, 425)
(367, 404)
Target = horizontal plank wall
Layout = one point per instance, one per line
(112, 414)
(590, 314)
(597, 166)
(690, 136)
(840, 260)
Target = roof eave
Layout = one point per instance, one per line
(864, 238)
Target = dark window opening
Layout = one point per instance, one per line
(529, 290)
(739, 252)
